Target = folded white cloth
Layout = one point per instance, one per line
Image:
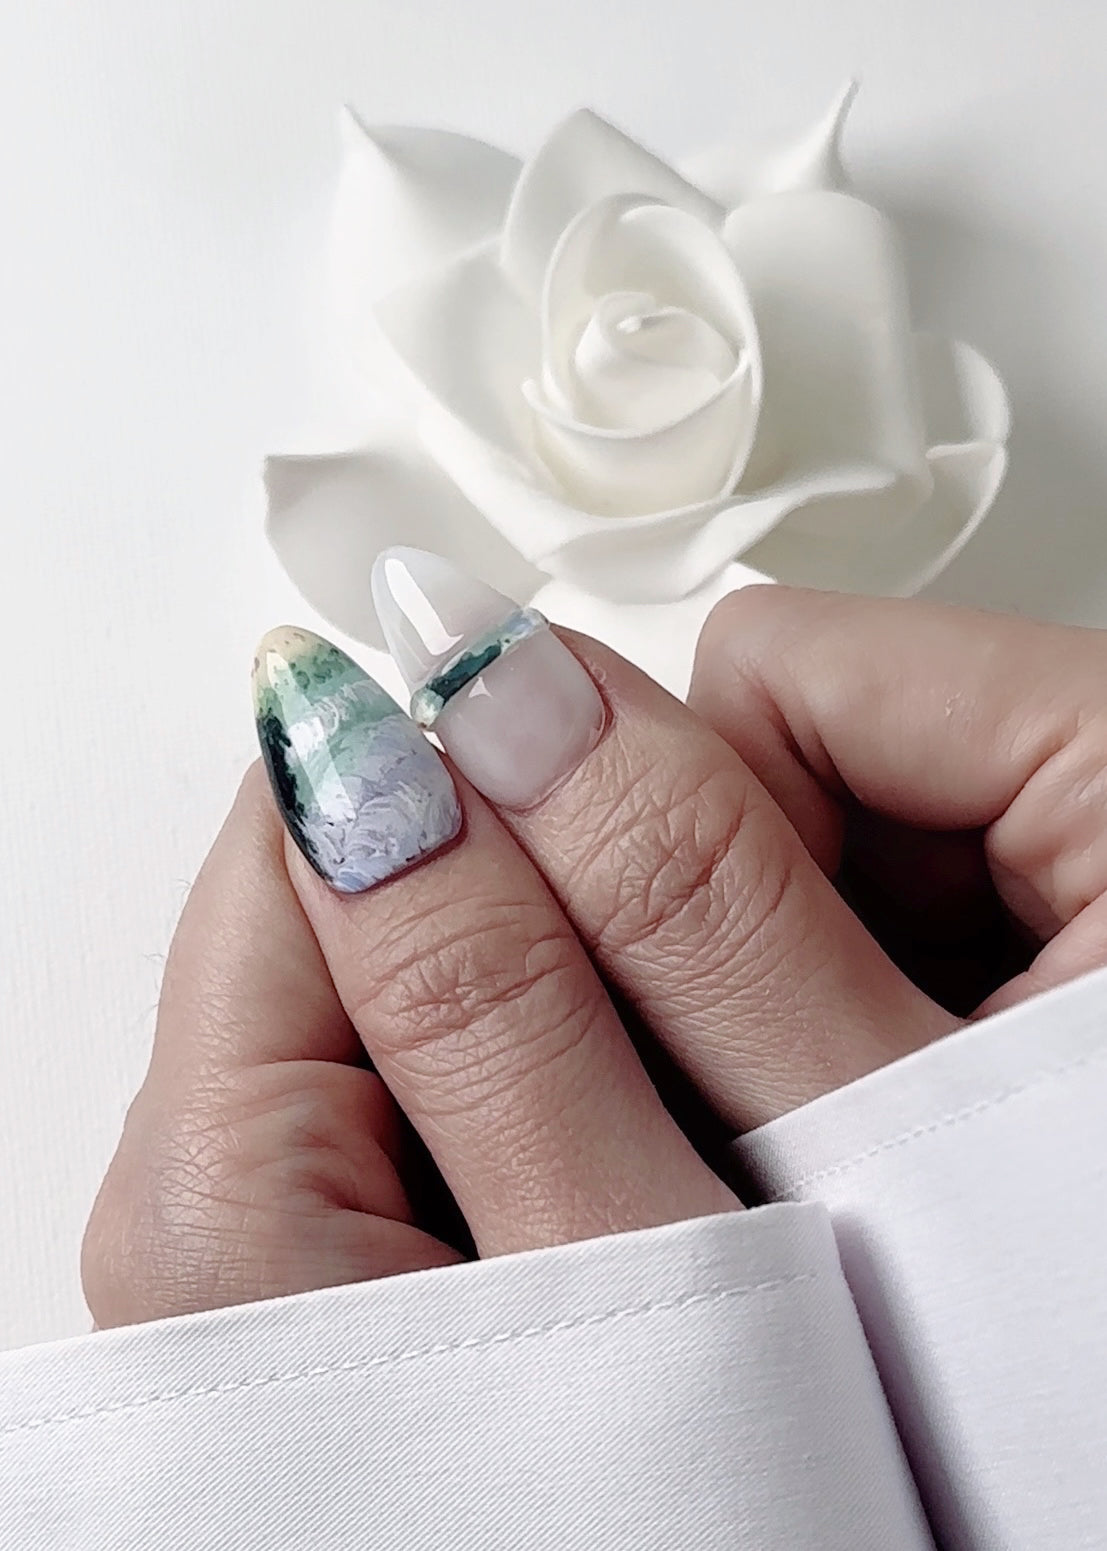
(700, 1385)
(967, 1185)
(707, 1384)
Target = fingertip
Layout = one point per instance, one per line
(245, 979)
(253, 789)
(247, 845)
(751, 621)
(253, 806)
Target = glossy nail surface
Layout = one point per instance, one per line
(510, 702)
(364, 795)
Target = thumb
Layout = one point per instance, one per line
(968, 751)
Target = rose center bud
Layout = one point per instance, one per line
(638, 365)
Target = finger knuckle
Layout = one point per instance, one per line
(664, 839)
(177, 1223)
(748, 609)
(757, 621)
(688, 878)
(165, 1235)
(102, 1275)
(472, 966)
(115, 1248)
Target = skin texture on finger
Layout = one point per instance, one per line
(259, 1158)
(480, 1008)
(958, 723)
(700, 903)
(692, 891)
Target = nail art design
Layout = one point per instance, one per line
(462, 669)
(363, 793)
(511, 704)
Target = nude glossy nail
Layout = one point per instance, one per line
(511, 704)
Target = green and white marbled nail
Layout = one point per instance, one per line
(363, 793)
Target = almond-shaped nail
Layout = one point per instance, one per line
(512, 705)
(364, 795)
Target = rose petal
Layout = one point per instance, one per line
(584, 160)
(470, 342)
(828, 291)
(732, 174)
(645, 559)
(659, 637)
(963, 398)
(887, 543)
(330, 515)
(637, 366)
(407, 200)
(680, 262)
(626, 241)
(967, 480)
(624, 474)
(682, 550)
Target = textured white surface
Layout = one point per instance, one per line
(967, 1186)
(701, 1385)
(164, 177)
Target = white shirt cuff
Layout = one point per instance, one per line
(967, 1185)
(703, 1384)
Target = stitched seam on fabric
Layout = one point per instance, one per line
(711, 1295)
(1046, 1074)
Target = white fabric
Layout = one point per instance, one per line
(968, 1190)
(706, 1384)
(703, 1385)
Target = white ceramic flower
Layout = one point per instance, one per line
(626, 389)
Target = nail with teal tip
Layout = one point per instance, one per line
(364, 795)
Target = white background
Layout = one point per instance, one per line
(164, 177)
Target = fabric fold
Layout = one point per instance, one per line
(967, 1185)
(701, 1385)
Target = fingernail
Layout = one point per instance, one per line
(512, 705)
(363, 793)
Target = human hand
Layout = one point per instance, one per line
(948, 767)
(263, 1157)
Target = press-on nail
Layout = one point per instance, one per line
(363, 793)
(511, 704)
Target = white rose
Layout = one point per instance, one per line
(627, 389)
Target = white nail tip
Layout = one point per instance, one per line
(527, 714)
(429, 610)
